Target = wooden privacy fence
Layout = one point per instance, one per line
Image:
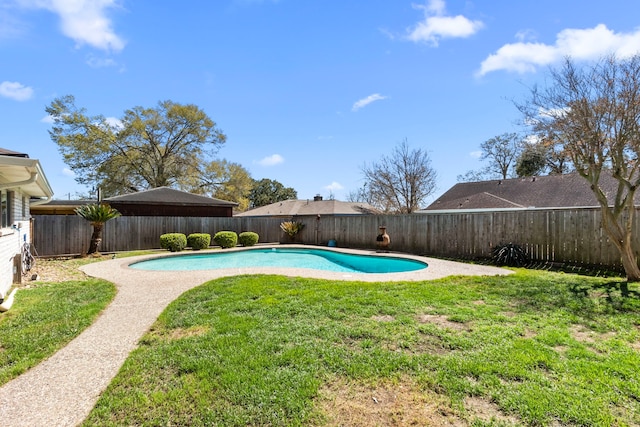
(571, 236)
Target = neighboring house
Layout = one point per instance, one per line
(60, 207)
(22, 184)
(553, 191)
(317, 206)
(165, 201)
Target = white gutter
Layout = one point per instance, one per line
(37, 175)
(42, 201)
(31, 180)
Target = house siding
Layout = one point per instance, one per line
(11, 239)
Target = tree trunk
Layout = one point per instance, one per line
(620, 231)
(96, 238)
(629, 261)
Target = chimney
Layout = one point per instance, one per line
(317, 198)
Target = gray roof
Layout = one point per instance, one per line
(164, 195)
(288, 208)
(568, 190)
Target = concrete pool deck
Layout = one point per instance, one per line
(62, 390)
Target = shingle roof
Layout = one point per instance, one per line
(164, 195)
(311, 207)
(5, 152)
(569, 190)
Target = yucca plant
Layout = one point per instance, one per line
(292, 228)
(98, 215)
(509, 254)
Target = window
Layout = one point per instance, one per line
(6, 216)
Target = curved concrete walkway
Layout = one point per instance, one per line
(62, 390)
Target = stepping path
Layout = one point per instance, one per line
(62, 390)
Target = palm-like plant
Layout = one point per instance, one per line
(98, 215)
(291, 228)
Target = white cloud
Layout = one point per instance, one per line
(68, 172)
(579, 44)
(84, 21)
(47, 119)
(366, 101)
(16, 91)
(274, 159)
(334, 186)
(476, 154)
(437, 25)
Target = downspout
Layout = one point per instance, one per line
(8, 301)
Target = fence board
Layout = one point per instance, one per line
(552, 235)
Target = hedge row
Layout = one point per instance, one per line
(176, 242)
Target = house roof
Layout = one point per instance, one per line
(5, 152)
(18, 171)
(60, 207)
(568, 190)
(287, 208)
(165, 195)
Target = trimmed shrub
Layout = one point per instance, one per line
(226, 239)
(248, 238)
(509, 254)
(198, 241)
(173, 242)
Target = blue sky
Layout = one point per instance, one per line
(307, 91)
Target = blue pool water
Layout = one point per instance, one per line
(317, 259)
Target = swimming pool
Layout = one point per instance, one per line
(316, 259)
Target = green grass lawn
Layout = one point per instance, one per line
(45, 318)
(534, 348)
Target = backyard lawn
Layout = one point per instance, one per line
(45, 317)
(533, 348)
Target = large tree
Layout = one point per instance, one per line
(146, 148)
(595, 109)
(500, 155)
(532, 160)
(400, 182)
(228, 181)
(267, 191)
(501, 152)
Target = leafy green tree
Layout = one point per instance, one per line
(401, 182)
(532, 160)
(228, 181)
(97, 215)
(593, 112)
(146, 148)
(267, 191)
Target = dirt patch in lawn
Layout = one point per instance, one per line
(401, 403)
(55, 270)
(487, 411)
(442, 321)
